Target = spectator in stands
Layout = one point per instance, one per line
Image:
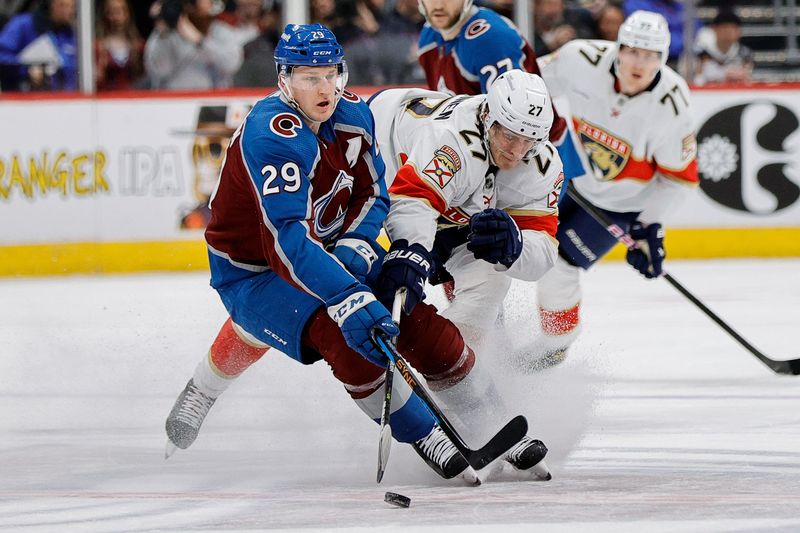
(555, 25)
(609, 19)
(8, 8)
(672, 10)
(38, 50)
(188, 49)
(720, 55)
(244, 18)
(119, 49)
(256, 71)
(397, 44)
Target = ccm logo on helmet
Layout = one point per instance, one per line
(285, 124)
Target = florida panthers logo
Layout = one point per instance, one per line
(331, 209)
(285, 125)
(608, 155)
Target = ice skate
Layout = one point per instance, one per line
(444, 458)
(536, 357)
(186, 417)
(528, 455)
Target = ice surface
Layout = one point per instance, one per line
(657, 421)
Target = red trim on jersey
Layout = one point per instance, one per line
(546, 223)
(688, 174)
(637, 169)
(408, 183)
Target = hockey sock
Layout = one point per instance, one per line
(229, 356)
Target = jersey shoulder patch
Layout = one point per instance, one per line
(443, 167)
(487, 39)
(273, 132)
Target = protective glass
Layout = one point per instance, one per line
(508, 141)
(315, 79)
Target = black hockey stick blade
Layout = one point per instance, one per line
(513, 432)
(790, 366)
(503, 440)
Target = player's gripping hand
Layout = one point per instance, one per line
(494, 237)
(649, 257)
(405, 266)
(358, 313)
(359, 255)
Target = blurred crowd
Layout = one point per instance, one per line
(206, 44)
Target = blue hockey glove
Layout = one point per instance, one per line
(649, 257)
(358, 314)
(494, 237)
(404, 266)
(358, 254)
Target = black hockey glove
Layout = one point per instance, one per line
(494, 237)
(649, 257)
(404, 266)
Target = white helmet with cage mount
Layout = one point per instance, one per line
(519, 101)
(645, 30)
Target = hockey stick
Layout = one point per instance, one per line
(385, 442)
(508, 436)
(791, 366)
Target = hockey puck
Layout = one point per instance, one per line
(397, 499)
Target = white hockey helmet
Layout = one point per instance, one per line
(464, 10)
(645, 30)
(519, 101)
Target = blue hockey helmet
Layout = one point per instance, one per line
(308, 45)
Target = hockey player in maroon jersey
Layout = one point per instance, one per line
(294, 218)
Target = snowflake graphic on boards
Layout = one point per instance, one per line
(717, 158)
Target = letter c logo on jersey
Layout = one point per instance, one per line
(477, 28)
(350, 97)
(285, 124)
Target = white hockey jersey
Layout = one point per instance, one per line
(641, 150)
(439, 174)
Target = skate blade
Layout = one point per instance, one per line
(470, 477)
(169, 450)
(541, 472)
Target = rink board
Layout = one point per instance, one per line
(101, 184)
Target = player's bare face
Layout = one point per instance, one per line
(637, 68)
(314, 90)
(507, 147)
(443, 14)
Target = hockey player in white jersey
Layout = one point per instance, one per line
(474, 184)
(633, 130)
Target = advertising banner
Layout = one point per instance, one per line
(95, 179)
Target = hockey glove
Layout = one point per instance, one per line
(494, 237)
(358, 314)
(649, 256)
(358, 254)
(404, 266)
